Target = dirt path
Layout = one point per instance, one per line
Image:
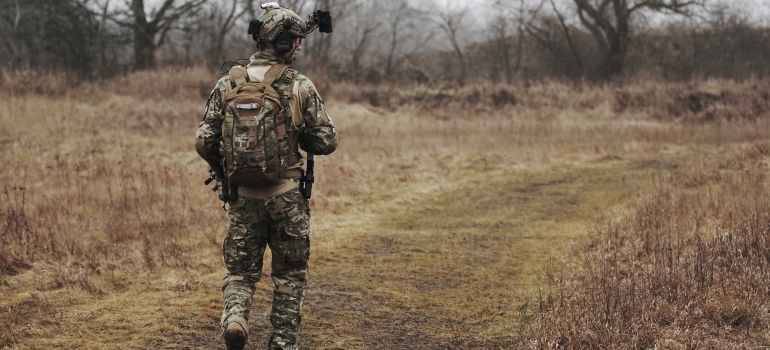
(458, 267)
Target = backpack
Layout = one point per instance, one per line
(259, 135)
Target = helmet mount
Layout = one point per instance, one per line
(279, 26)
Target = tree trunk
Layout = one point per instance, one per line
(144, 51)
(613, 64)
(144, 47)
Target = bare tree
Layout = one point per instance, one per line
(507, 22)
(404, 34)
(320, 47)
(450, 20)
(500, 50)
(12, 40)
(100, 37)
(609, 24)
(222, 20)
(47, 34)
(395, 20)
(552, 33)
(364, 25)
(567, 34)
(150, 34)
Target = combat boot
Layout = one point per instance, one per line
(235, 334)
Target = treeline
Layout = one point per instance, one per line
(398, 41)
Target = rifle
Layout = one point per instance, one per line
(212, 177)
(307, 179)
(221, 183)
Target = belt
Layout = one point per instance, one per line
(267, 192)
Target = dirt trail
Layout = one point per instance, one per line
(457, 267)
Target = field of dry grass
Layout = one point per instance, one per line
(477, 217)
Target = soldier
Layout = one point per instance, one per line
(277, 215)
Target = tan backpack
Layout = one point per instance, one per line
(259, 135)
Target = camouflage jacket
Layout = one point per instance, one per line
(316, 134)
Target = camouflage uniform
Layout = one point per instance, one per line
(279, 221)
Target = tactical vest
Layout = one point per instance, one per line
(260, 129)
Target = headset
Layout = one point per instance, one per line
(284, 41)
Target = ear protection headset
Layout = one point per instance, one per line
(284, 41)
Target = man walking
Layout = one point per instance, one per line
(257, 119)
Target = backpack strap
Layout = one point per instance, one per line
(296, 113)
(238, 77)
(228, 126)
(289, 98)
(272, 74)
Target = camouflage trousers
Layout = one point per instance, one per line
(282, 223)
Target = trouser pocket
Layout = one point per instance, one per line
(293, 246)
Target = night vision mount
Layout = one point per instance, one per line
(320, 19)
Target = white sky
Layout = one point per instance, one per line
(757, 11)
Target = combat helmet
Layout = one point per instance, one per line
(279, 26)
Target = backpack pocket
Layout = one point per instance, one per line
(248, 134)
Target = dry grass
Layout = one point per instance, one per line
(435, 223)
(689, 267)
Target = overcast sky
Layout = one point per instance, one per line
(757, 11)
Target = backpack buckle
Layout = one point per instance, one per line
(289, 76)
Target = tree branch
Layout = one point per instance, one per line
(595, 30)
(17, 18)
(675, 6)
(567, 34)
(161, 12)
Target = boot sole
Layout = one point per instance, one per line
(235, 339)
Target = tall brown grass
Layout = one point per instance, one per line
(97, 179)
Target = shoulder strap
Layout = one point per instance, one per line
(272, 74)
(290, 95)
(296, 113)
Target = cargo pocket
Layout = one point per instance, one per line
(296, 230)
(242, 249)
(238, 211)
(295, 200)
(233, 248)
(295, 245)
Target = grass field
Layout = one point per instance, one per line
(489, 217)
